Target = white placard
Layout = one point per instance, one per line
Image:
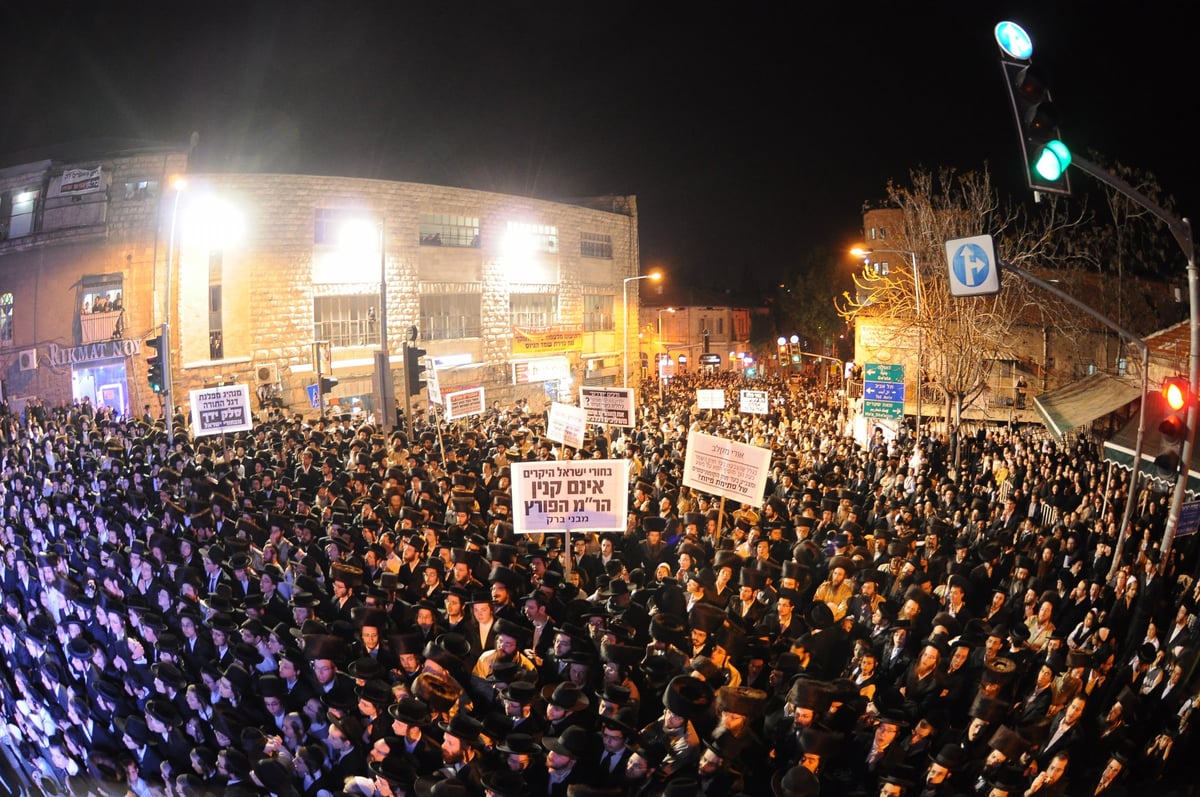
(218, 410)
(727, 468)
(431, 381)
(710, 399)
(464, 403)
(755, 402)
(566, 424)
(590, 495)
(608, 405)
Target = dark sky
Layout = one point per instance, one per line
(749, 132)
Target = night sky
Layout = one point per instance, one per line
(749, 132)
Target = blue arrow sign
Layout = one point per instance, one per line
(884, 391)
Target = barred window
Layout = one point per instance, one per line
(598, 313)
(449, 317)
(442, 229)
(595, 244)
(141, 189)
(6, 317)
(347, 320)
(538, 237)
(533, 309)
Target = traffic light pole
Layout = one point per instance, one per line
(168, 391)
(1181, 229)
(407, 395)
(1127, 517)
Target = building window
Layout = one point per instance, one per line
(533, 309)
(720, 326)
(100, 307)
(216, 338)
(598, 313)
(347, 320)
(881, 267)
(6, 318)
(537, 237)
(450, 317)
(142, 189)
(442, 229)
(330, 223)
(595, 244)
(20, 223)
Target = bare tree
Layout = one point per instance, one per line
(962, 338)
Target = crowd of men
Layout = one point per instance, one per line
(322, 608)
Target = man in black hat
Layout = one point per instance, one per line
(615, 734)
(410, 721)
(510, 639)
(461, 744)
(564, 760)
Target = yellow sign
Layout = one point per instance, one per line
(546, 340)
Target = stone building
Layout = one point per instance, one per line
(520, 296)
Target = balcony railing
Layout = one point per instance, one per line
(97, 327)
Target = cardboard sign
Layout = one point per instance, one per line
(723, 467)
(464, 403)
(221, 409)
(710, 399)
(755, 402)
(590, 495)
(566, 424)
(608, 405)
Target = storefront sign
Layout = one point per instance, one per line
(105, 349)
(544, 369)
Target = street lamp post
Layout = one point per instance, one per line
(866, 253)
(653, 275)
(179, 184)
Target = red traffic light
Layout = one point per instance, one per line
(1177, 393)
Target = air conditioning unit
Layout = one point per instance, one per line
(267, 374)
(29, 360)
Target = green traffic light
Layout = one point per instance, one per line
(1052, 160)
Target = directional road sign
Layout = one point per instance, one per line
(883, 390)
(883, 372)
(973, 267)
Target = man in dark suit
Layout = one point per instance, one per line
(615, 752)
(1066, 731)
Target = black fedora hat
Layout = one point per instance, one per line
(565, 695)
(465, 727)
(410, 711)
(574, 742)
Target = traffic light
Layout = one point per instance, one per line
(1176, 399)
(413, 370)
(1176, 395)
(1046, 156)
(328, 383)
(155, 361)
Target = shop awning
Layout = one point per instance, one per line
(1081, 402)
(1119, 449)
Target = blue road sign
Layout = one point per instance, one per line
(314, 397)
(884, 391)
(973, 267)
